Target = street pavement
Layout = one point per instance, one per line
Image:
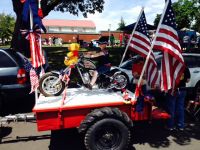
(146, 136)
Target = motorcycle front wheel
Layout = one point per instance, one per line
(120, 81)
(51, 85)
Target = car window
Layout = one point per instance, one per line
(158, 61)
(191, 61)
(127, 65)
(198, 61)
(6, 61)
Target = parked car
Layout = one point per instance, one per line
(191, 59)
(95, 43)
(126, 67)
(14, 80)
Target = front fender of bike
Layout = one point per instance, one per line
(56, 72)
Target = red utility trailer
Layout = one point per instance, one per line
(103, 116)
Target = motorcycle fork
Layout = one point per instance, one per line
(79, 71)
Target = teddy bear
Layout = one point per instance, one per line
(72, 55)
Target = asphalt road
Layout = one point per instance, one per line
(24, 136)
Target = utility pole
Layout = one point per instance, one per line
(109, 34)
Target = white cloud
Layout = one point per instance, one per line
(115, 9)
(112, 13)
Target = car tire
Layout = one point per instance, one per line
(197, 90)
(1, 104)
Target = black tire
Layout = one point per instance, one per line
(197, 90)
(106, 117)
(122, 81)
(107, 134)
(45, 83)
(2, 104)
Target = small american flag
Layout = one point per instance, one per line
(34, 80)
(66, 76)
(167, 41)
(141, 44)
(34, 36)
(27, 65)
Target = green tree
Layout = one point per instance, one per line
(157, 19)
(122, 24)
(7, 27)
(74, 7)
(187, 14)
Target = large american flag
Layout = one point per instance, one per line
(167, 41)
(141, 44)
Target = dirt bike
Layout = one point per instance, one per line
(53, 83)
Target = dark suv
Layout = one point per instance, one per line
(14, 80)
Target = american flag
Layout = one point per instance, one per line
(167, 41)
(66, 76)
(27, 65)
(141, 44)
(34, 36)
(34, 80)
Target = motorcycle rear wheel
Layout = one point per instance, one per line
(46, 86)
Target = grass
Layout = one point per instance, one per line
(4, 46)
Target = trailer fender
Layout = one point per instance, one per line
(106, 112)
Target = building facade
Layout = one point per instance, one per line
(74, 30)
(69, 26)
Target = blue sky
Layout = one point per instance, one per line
(112, 13)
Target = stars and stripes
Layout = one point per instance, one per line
(34, 80)
(27, 65)
(167, 41)
(66, 76)
(33, 75)
(141, 44)
(34, 36)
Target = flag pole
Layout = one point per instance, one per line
(153, 42)
(31, 28)
(129, 41)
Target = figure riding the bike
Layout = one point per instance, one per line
(104, 62)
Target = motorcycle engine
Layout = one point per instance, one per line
(86, 77)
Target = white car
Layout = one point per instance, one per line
(95, 43)
(191, 59)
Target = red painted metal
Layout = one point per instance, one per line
(67, 116)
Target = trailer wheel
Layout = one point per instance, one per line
(109, 125)
(107, 134)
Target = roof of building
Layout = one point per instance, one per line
(130, 27)
(68, 23)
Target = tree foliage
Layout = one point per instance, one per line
(83, 6)
(74, 7)
(157, 19)
(122, 24)
(7, 23)
(187, 14)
